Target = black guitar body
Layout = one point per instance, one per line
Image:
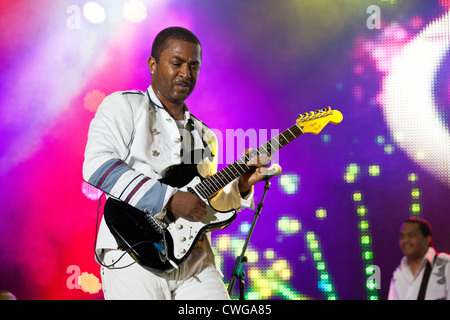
(136, 235)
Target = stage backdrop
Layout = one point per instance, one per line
(330, 223)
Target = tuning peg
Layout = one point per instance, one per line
(319, 113)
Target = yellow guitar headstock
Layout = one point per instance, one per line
(314, 122)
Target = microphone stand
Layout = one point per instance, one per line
(238, 269)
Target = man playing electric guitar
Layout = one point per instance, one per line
(134, 142)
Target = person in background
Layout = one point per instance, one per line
(423, 274)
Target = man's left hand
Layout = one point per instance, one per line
(258, 169)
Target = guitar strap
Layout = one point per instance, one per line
(188, 152)
(425, 279)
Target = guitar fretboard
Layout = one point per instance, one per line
(214, 183)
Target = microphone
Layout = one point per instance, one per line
(273, 171)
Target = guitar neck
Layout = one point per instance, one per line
(214, 183)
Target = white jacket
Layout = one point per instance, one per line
(132, 141)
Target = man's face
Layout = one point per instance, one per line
(175, 75)
(413, 244)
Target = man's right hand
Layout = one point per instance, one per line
(187, 206)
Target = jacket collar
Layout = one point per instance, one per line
(427, 258)
(157, 104)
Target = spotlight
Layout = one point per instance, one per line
(93, 12)
(134, 11)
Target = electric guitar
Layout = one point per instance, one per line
(161, 245)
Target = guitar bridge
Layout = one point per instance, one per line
(157, 224)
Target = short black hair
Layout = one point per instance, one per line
(178, 33)
(424, 226)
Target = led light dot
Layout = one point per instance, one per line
(388, 149)
(269, 254)
(321, 213)
(415, 208)
(374, 171)
(357, 196)
(415, 193)
(288, 225)
(289, 183)
(380, 140)
(362, 210)
(351, 173)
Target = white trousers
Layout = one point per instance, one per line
(196, 279)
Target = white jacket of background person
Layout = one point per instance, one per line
(132, 141)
